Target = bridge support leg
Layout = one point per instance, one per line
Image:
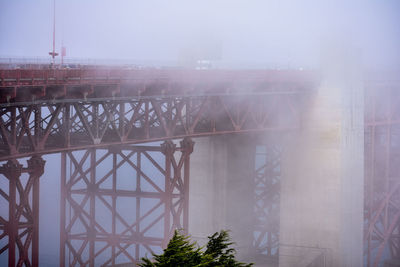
(22, 225)
(322, 187)
(176, 187)
(267, 179)
(12, 171)
(382, 216)
(63, 200)
(222, 189)
(122, 203)
(35, 169)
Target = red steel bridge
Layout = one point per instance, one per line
(99, 119)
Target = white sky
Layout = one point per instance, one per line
(268, 32)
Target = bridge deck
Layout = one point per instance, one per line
(52, 110)
(25, 85)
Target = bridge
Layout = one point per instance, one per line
(303, 169)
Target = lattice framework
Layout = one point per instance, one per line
(159, 202)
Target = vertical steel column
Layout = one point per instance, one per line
(92, 195)
(138, 199)
(187, 149)
(168, 149)
(63, 196)
(67, 126)
(36, 169)
(114, 205)
(63, 193)
(38, 126)
(13, 132)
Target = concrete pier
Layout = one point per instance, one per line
(322, 186)
(221, 189)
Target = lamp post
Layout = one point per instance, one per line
(53, 53)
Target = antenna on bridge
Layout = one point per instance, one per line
(53, 54)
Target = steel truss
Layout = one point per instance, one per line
(382, 174)
(93, 116)
(20, 227)
(49, 128)
(267, 197)
(121, 203)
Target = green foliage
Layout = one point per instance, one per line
(180, 252)
(218, 247)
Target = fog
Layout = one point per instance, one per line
(231, 34)
(263, 34)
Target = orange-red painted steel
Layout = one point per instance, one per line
(106, 110)
(21, 227)
(382, 173)
(54, 127)
(48, 110)
(54, 110)
(154, 178)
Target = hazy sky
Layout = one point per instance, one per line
(269, 31)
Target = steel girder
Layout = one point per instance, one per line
(121, 203)
(49, 128)
(21, 201)
(382, 174)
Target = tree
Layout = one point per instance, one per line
(181, 252)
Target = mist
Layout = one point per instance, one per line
(315, 173)
(267, 34)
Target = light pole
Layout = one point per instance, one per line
(53, 54)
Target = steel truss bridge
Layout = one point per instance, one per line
(99, 120)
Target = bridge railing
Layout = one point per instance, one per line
(12, 77)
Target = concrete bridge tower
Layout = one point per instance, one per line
(322, 181)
